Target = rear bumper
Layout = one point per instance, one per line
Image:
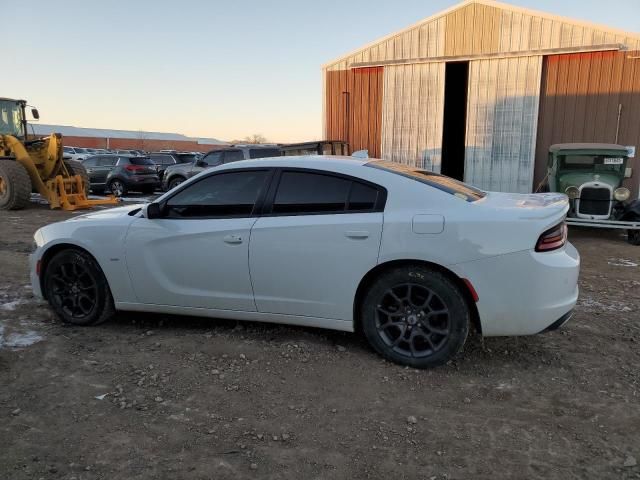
(523, 293)
(559, 323)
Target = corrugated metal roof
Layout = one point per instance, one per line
(70, 131)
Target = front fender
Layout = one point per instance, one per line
(631, 210)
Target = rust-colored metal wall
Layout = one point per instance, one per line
(353, 108)
(581, 95)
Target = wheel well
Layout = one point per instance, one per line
(50, 253)
(378, 270)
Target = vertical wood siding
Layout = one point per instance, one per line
(412, 112)
(502, 115)
(579, 103)
(353, 108)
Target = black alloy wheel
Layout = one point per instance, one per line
(415, 316)
(77, 289)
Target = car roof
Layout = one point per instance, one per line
(587, 146)
(320, 162)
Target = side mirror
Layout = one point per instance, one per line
(628, 172)
(35, 113)
(153, 211)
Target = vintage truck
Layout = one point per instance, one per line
(591, 175)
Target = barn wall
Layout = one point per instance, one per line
(502, 116)
(412, 112)
(581, 94)
(353, 108)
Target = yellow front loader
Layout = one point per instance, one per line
(28, 165)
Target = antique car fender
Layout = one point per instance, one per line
(631, 210)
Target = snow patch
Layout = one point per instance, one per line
(621, 262)
(590, 304)
(11, 305)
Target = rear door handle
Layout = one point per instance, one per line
(232, 239)
(356, 234)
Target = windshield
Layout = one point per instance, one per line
(593, 163)
(10, 119)
(441, 182)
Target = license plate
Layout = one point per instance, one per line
(613, 161)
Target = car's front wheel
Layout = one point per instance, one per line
(415, 316)
(175, 181)
(76, 288)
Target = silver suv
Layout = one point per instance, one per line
(174, 175)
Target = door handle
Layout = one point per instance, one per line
(356, 234)
(232, 239)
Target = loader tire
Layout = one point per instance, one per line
(15, 186)
(76, 168)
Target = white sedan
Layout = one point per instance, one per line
(410, 258)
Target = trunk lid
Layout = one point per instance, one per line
(528, 206)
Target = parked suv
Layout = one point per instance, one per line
(75, 153)
(119, 174)
(162, 160)
(176, 174)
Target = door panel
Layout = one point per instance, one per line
(312, 264)
(191, 262)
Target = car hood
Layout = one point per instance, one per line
(108, 213)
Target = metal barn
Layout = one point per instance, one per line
(480, 91)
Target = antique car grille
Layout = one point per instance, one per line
(594, 201)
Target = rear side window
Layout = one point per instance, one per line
(302, 193)
(264, 152)
(141, 161)
(435, 180)
(223, 195)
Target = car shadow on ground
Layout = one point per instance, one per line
(491, 353)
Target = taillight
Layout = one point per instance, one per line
(133, 168)
(553, 238)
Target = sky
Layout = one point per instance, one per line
(221, 69)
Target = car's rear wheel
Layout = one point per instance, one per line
(175, 181)
(117, 187)
(76, 288)
(415, 316)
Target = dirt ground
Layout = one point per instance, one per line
(180, 398)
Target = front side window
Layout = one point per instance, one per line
(213, 159)
(106, 161)
(232, 194)
(233, 156)
(302, 193)
(90, 162)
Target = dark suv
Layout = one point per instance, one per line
(163, 160)
(119, 174)
(176, 174)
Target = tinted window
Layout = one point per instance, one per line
(362, 197)
(435, 180)
(106, 161)
(186, 158)
(141, 161)
(226, 194)
(233, 156)
(300, 192)
(264, 152)
(68, 150)
(90, 162)
(213, 159)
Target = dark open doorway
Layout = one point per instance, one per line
(455, 119)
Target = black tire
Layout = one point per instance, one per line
(633, 236)
(15, 186)
(76, 288)
(175, 181)
(76, 168)
(117, 187)
(415, 316)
